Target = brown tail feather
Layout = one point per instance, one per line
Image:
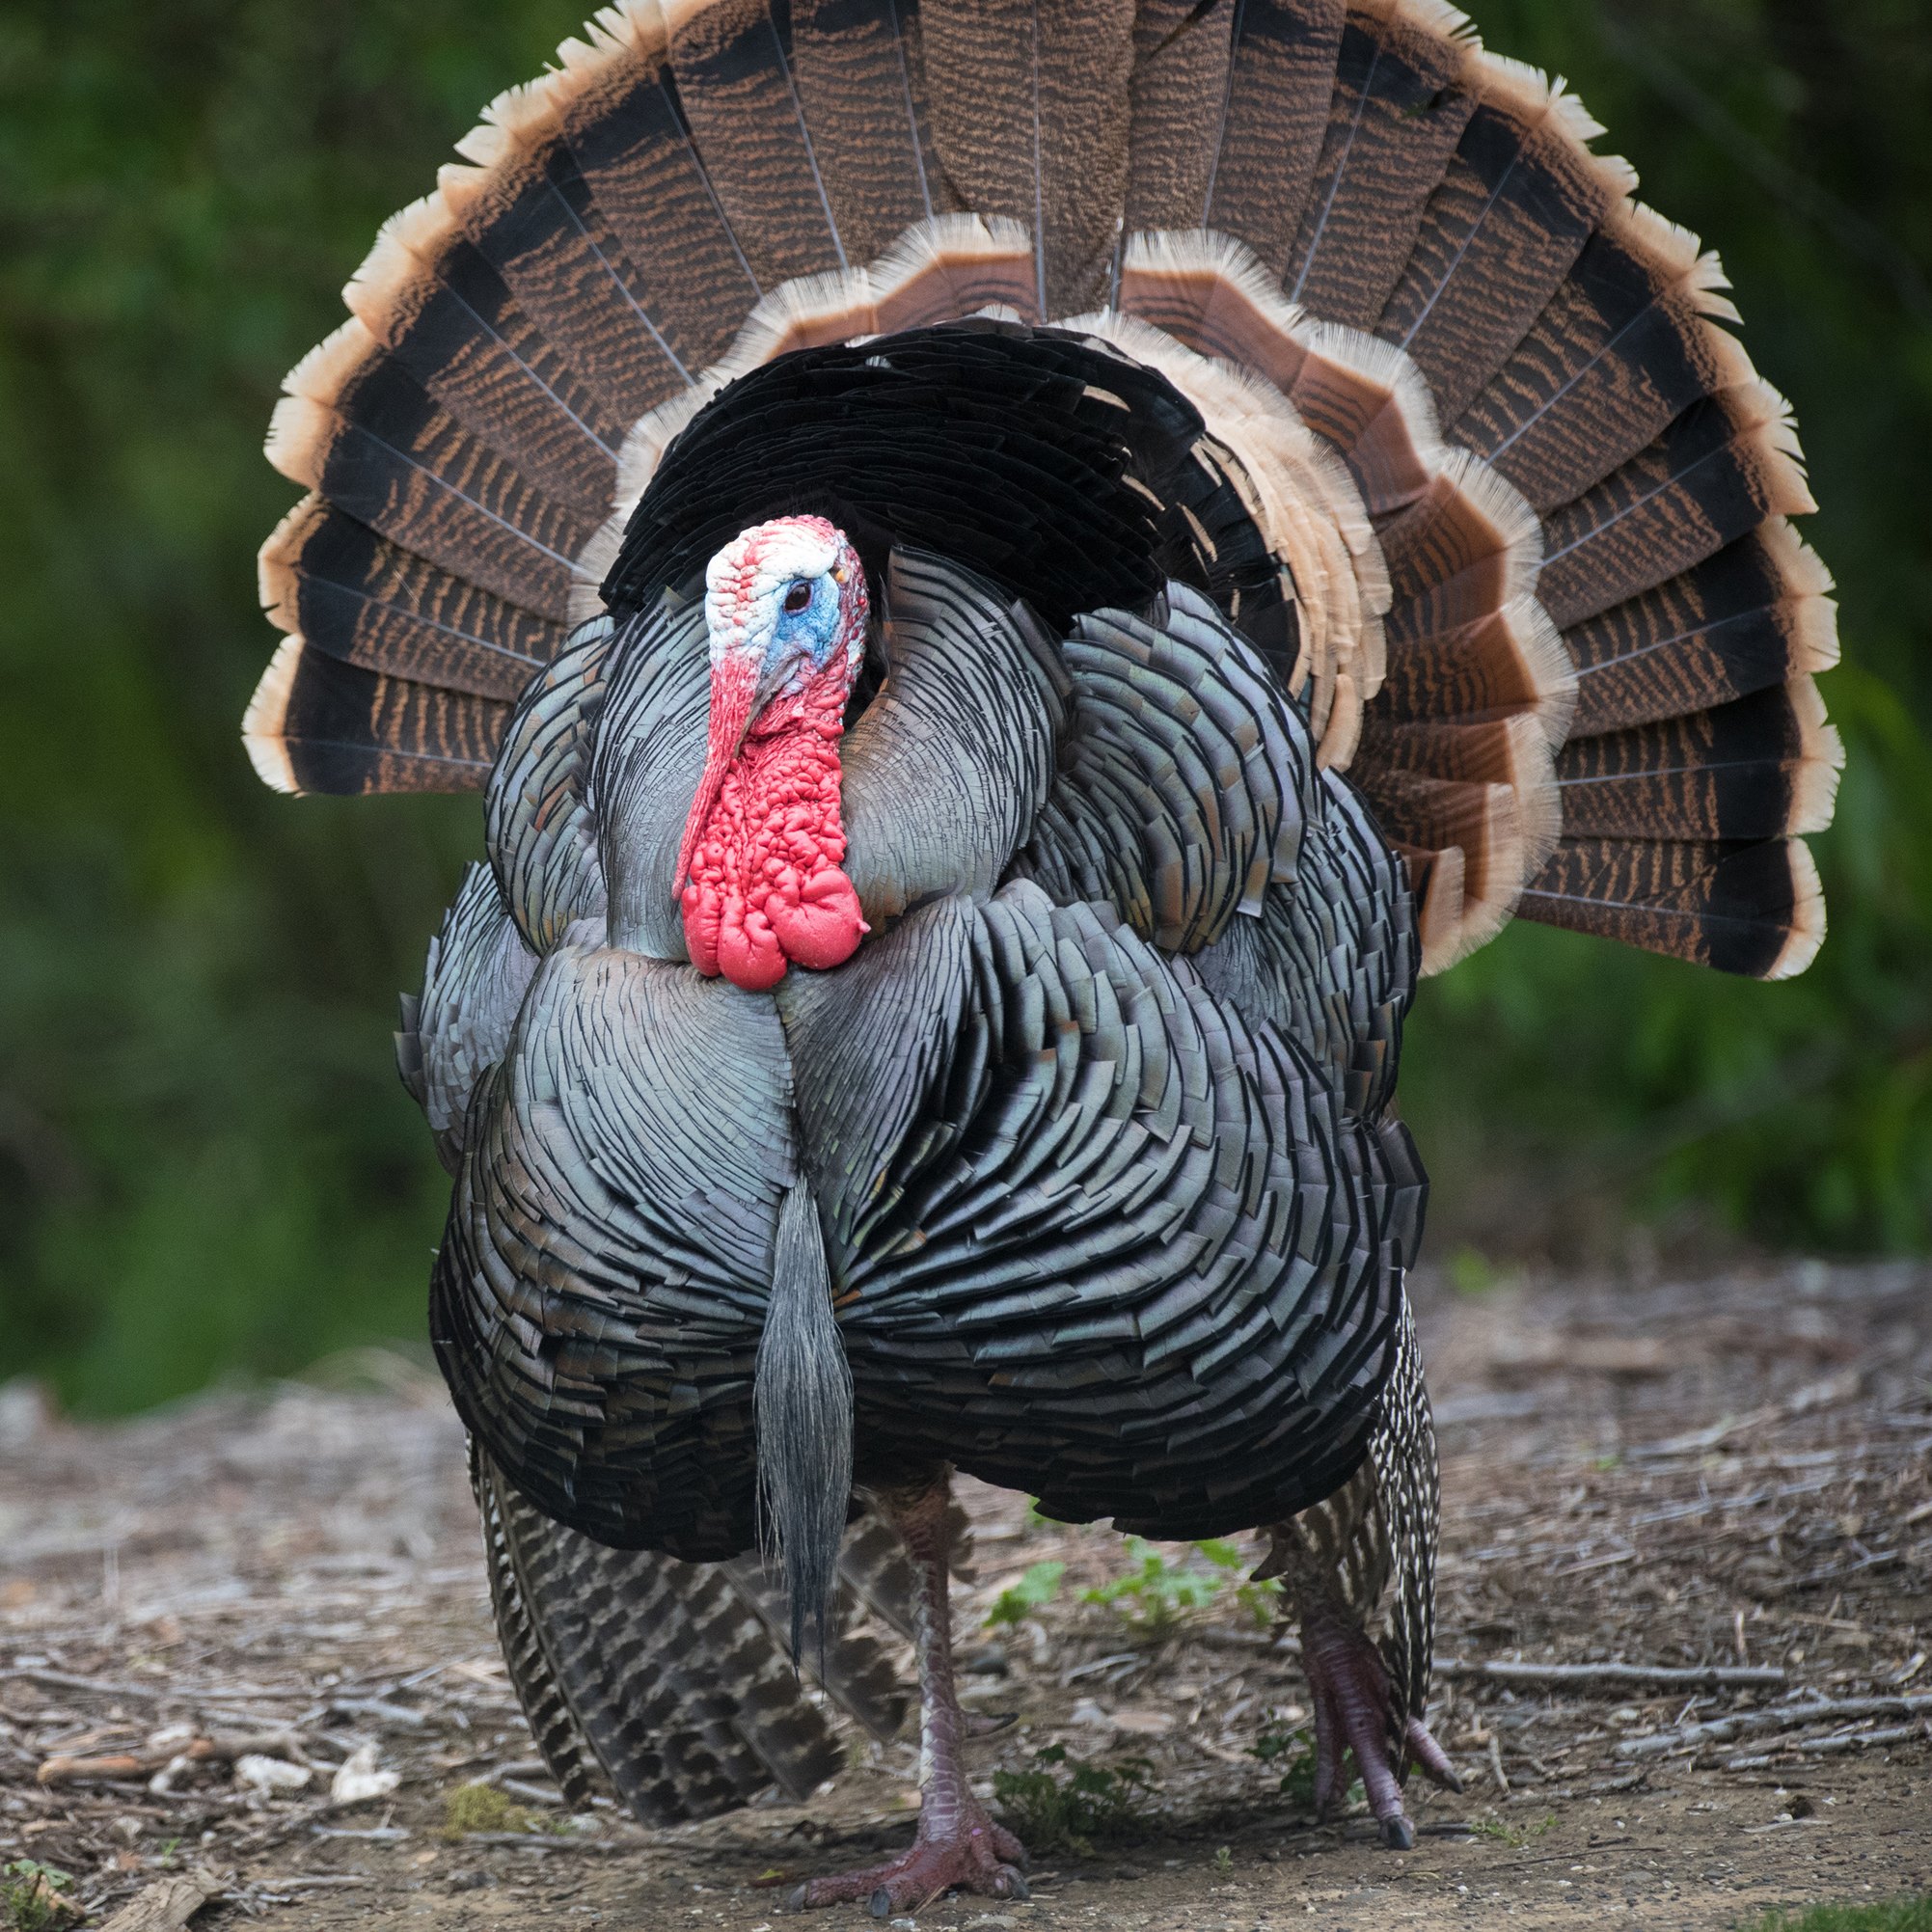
(1758, 613)
(1281, 72)
(358, 428)
(1397, 111)
(354, 595)
(1720, 470)
(1029, 102)
(1179, 84)
(1762, 767)
(1626, 343)
(617, 106)
(1755, 910)
(446, 316)
(736, 82)
(318, 725)
(861, 76)
(532, 217)
(1518, 200)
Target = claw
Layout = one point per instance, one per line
(1430, 1757)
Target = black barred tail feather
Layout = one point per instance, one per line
(801, 1397)
(667, 1685)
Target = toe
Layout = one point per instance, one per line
(1398, 1833)
(1430, 1755)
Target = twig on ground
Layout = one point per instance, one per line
(1614, 1677)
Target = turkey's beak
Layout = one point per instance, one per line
(734, 686)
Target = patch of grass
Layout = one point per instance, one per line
(1156, 1594)
(1896, 1914)
(1507, 1833)
(1061, 1803)
(482, 1807)
(31, 1897)
(1017, 1602)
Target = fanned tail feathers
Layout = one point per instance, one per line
(1485, 407)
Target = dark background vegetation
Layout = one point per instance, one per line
(207, 1165)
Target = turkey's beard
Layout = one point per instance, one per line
(764, 845)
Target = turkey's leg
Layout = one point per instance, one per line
(957, 1844)
(1356, 1710)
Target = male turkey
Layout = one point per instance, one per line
(1010, 574)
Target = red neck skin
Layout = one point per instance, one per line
(765, 842)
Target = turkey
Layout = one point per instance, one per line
(1010, 576)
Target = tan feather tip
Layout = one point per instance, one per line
(1767, 433)
(1822, 759)
(1440, 908)
(261, 724)
(1672, 252)
(1532, 97)
(322, 373)
(1808, 914)
(274, 563)
(1547, 667)
(299, 432)
(1812, 611)
(405, 250)
(1430, 17)
(638, 25)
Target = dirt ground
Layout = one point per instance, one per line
(1729, 1475)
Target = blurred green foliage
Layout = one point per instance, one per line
(206, 1162)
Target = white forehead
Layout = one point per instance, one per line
(761, 560)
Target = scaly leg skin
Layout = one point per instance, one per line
(1355, 1711)
(957, 1844)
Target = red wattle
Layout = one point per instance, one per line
(764, 884)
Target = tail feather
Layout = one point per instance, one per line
(860, 72)
(1176, 91)
(1720, 470)
(1626, 343)
(1281, 72)
(449, 319)
(352, 594)
(1517, 202)
(740, 95)
(1755, 910)
(1029, 102)
(1758, 614)
(618, 106)
(1762, 767)
(1397, 111)
(355, 426)
(531, 214)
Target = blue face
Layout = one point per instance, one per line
(806, 623)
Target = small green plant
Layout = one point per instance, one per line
(1020, 1600)
(1224, 1859)
(1154, 1596)
(1894, 1915)
(1061, 1803)
(1507, 1833)
(1295, 1752)
(482, 1807)
(1259, 1597)
(33, 1897)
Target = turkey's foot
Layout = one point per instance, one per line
(972, 1854)
(1355, 1711)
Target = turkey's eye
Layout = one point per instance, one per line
(799, 597)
